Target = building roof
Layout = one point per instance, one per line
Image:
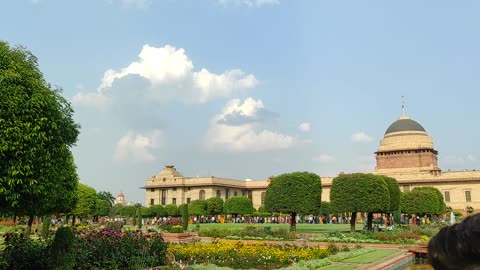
(404, 123)
(120, 195)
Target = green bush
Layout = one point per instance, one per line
(216, 232)
(62, 256)
(333, 249)
(114, 225)
(24, 253)
(45, 226)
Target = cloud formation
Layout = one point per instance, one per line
(135, 146)
(304, 127)
(248, 3)
(247, 136)
(170, 75)
(361, 137)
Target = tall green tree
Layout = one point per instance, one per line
(441, 207)
(325, 208)
(359, 192)
(393, 191)
(37, 172)
(171, 210)
(423, 201)
(238, 205)
(294, 193)
(157, 210)
(197, 208)
(103, 208)
(106, 196)
(86, 202)
(214, 206)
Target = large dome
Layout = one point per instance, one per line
(404, 124)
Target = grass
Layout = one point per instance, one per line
(372, 256)
(338, 267)
(301, 228)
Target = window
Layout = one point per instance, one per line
(174, 200)
(188, 188)
(174, 189)
(201, 195)
(218, 193)
(263, 198)
(447, 196)
(235, 193)
(227, 193)
(406, 188)
(152, 201)
(468, 196)
(188, 200)
(164, 196)
(164, 179)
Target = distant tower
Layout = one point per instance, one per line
(120, 199)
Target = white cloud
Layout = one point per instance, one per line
(471, 157)
(304, 127)
(324, 158)
(136, 146)
(92, 99)
(170, 74)
(361, 137)
(248, 3)
(247, 137)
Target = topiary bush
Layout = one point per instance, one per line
(62, 256)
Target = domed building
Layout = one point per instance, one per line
(120, 199)
(406, 153)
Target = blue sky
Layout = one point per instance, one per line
(253, 88)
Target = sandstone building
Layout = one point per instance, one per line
(406, 153)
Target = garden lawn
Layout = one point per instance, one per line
(372, 256)
(301, 228)
(338, 267)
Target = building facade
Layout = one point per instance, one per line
(406, 153)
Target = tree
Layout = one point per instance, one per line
(103, 208)
(127, 210)
(106, 196)
(238, 205)
(441, 208)
(325, 208)
(86, 202)
(157, 210)
(423, 201)
(214, 206)
(171, 210)
(37, 172)
(183, 209)
(359, 192)
(197, 208)
(294, 193)
(393, 191)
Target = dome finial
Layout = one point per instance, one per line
(403, 106)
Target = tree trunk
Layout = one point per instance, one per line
(29, 226)
(369, 221)
(352, 221)
(73, 220)
(293, 222)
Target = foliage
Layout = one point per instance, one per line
(114, 225)
(359, 192)
(325, 208)
(298, 192)
(126, 210)
(238, 205)
(421, 201)
(37, 172)
(86, 201)
(102, 208)
(45, 226)
(171, 210)
(109, 249)
(214, 206)
(62, 255)
(262, 209)
(157, 210)
(106, 196)
(139, 218)
(183, 209)
(146, 212)
(394, 191)
(175, 229)
(24, 253)
(234, 253)
(441, 208)
(197, 208)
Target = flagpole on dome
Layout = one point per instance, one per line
(403, 105)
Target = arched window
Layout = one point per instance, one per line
(218, 193)
(201, 195)
(235, 193)
(263, 198)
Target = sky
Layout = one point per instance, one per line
(246, 89)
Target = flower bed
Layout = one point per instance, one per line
(248, 255)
